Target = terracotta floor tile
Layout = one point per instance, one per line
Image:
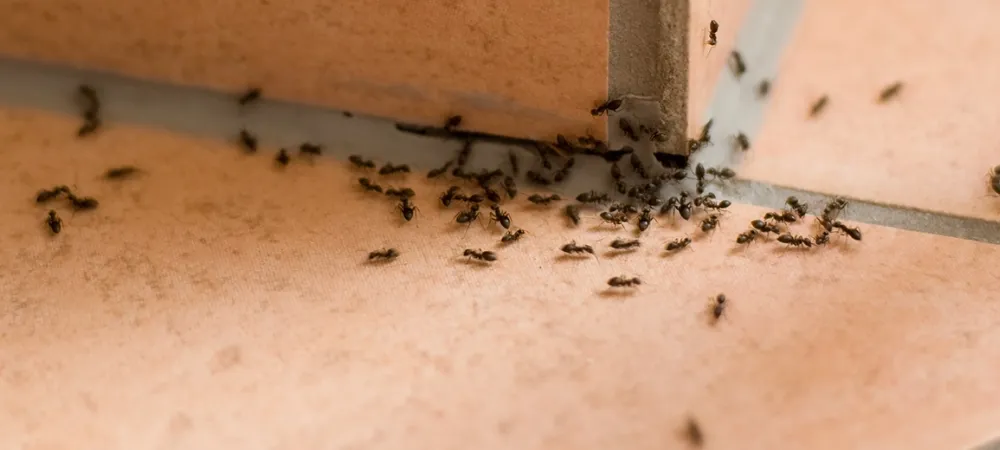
(215, 294)
(929, 148)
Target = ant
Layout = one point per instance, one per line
(831, 211)
(782, 216)
(747, 237)
(485, 177)
(682, 204)
(474, 198)
(406, 208)
(763, 88)
(699, 173)
(713, 27)
(452, 122)
(822, 238)
(737, 64)
(118, 173)
(310, 149)
(693, 433)
(484, 256)
(678, 244)
(719, 308)
(765, 227)
(623, 281)
(510, 187)
(434, 173)
(616, 172)
(890, 92)
(464, 153)
(818, 106)
(389, 169)
(593, 197)
(709, 203)
(89, 96)
(625, 244)
(46, 195)
(384, 255)
(705, 136)
(721, 173)
(572, 248)
(614, 218)
(610, 105)
(573, 212)
(54, 222)
(710, 223)
(501, 216)
(82, 203)
(251, 95)
(539, 199)
(742, 141)
(638, 167)
(512, 236)
(360, 162)
(795, 241)
(537, 178)
(854, 233)
(248, 141)
(400, 193)
(627, 130)
(468, 216)
(514, 166)
(800, 208)
(282, 157)
(562, 173)
(90, 124)
(995, 179)
(644, 219)
(492, 195)
(448, 196)
(369, 186)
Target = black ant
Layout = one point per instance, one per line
(572, 248)
(448, 196)
(389, 169)
(638, 167)
(88, 94)
(699, 173)
(818, 106)
(452, 122)
(537, 178)
(747, 237)
(562, 144)
(464, 153)
(710, 223)
(82, 203)
(627, 130)
(765, 227)
(468, 216)
(854, 233)
(678, 244)
(890, 92)
(509, 186)
(485, 177)
(693, 433)
(719, 308)
(625, 244)
(434, 173)
(623, 281)
(384, 255)
(822, 238)
(406, 208)
(737, 64)
(282, 157)
(742, 141)
(514, 166)
(616, 172)
(621, 187)
(248, 141)
(800, 208)
(763, 88)
(400, 193)
(251, 95)
(360, 162)
(512, 236)
(501, 216)
(614, 218)
(795, 241)
(54, 222)
(610, 105)
(573, 212)
(308, 148)
(91, 110)
(46, 195)
(539, 199)
(118, 173)
(782, 216)
(474, 198)
(368, 185)
(705, 136)
(593, 197)
(484, 256)
(721, 173)
(90, 125)
(644, 219)
(710, 203)
(562, 173)
(713, 27)
(831, 211)
(684, 206)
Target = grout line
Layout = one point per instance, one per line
(214, 114)
(993, 444)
